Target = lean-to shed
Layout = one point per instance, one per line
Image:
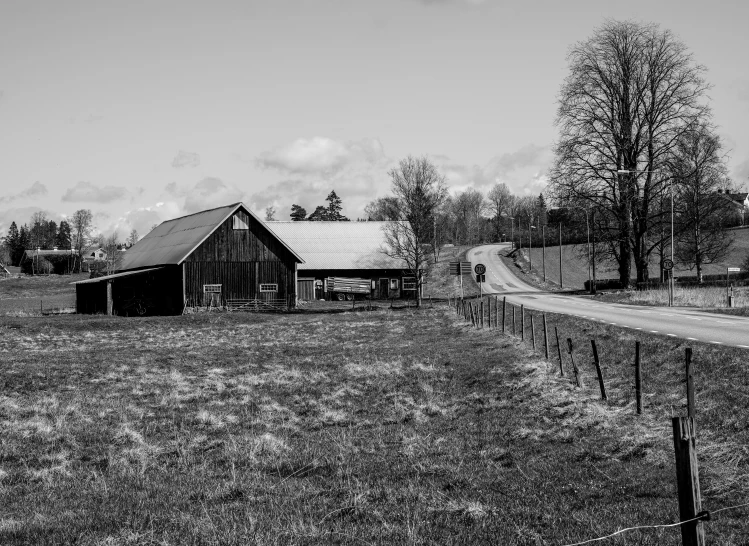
(223, 256)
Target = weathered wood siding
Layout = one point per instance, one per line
(240, 260)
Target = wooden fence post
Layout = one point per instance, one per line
(473, 314)
(638, 378)
(481, 310)
(522, 322)
(559, 352)
(688, 481)
(578, 379)
(597, 362)
(513, 320)
(504, 314)
(690, 383)
(546, 338)
(533, 333)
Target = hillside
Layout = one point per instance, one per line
(575, 269)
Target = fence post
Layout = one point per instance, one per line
(578, 379)
(504, 314)
(546, 338)
(522, 322)
(688, 481)
(638, 378)
(559, 352)
(513, 321)
(597, 362)
(481, 310)
(690, 383)
(473, 314)
(533, 333)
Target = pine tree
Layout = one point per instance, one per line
(62, 240)
(23, 244)
(50, 234)
(334, 208)
(320, 214)
(12, 240)
(298, 213)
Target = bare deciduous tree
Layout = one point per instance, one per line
(500, 202)
(700, 175)
(111, 246)
(82, 226)
(632, 91)
(419, 190)
(132, 238)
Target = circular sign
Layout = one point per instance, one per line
(668, 264)
(480, 269)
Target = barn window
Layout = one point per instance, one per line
(269, 288)
(393, 284)
(409, 283)
(212, 288)
(238, 223)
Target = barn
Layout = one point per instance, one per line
(220, 257)
(345, 250)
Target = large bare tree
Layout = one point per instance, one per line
(82, 227)
(419, 189)
(500, 201)
(632, 91)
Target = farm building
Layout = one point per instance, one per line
(221, 257)
(45, 262)
(348, 250)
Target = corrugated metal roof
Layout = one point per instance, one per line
(174, 240)
(338, 245)
(116, 275)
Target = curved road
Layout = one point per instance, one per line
(679, 322)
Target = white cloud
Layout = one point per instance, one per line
(211, 193)
(37, 189)
(321, 156)
(86, 191)
(185, 159)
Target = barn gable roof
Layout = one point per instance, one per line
(171, 242)
(338, 245)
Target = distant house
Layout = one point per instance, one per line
(222, 256)
(97, 255)
(348, 250)
(739, 206)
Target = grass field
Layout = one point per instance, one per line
(25, 295)
(575, 266)
(395, 426)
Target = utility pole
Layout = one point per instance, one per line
(593, 227)
(543, 252)
(561, 284)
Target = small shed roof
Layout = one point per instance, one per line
(338, 245)
(116, 275)
(171, 242)
(31, 253)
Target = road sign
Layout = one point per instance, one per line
(454, 268)
(734, 269)
(481, 278)
(465, 267)
(668, 264)
(480, 269)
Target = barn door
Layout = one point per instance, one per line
(305, 289)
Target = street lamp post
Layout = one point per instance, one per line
(543, 252)
(512, 228)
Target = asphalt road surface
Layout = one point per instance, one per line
(682, 322)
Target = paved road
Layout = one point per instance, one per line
(679, 322)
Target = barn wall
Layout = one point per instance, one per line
(372, 274)
(239, 260)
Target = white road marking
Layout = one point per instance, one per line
(654, 331)
(638, 328)
(692, 338)
(743, 346)
(716, 342)
(671, 335)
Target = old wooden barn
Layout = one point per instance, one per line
(345, 250)
(220, 257)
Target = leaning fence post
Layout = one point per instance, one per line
(546, 338)
(597, 362)
(559, 352)
(690, 383)
(578, 379)
(522, 322)
(533, 333)
(688, 481)
(504, 314)
(638, 378)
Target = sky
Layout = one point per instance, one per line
(142, 111)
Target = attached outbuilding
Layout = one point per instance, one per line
(220, 257)
(342, 255)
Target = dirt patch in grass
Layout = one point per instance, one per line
(385, 427)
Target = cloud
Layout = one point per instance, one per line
(452, 2)
(523, 170)
(211, 193)
(37, 189)
(321, 156)
(173, 190)
(185, 159)
(93, 118)
(86, 191)
(742, 89)
(22, 215)
(142, 218)
(741, 172)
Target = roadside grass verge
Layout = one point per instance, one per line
(394, 426)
